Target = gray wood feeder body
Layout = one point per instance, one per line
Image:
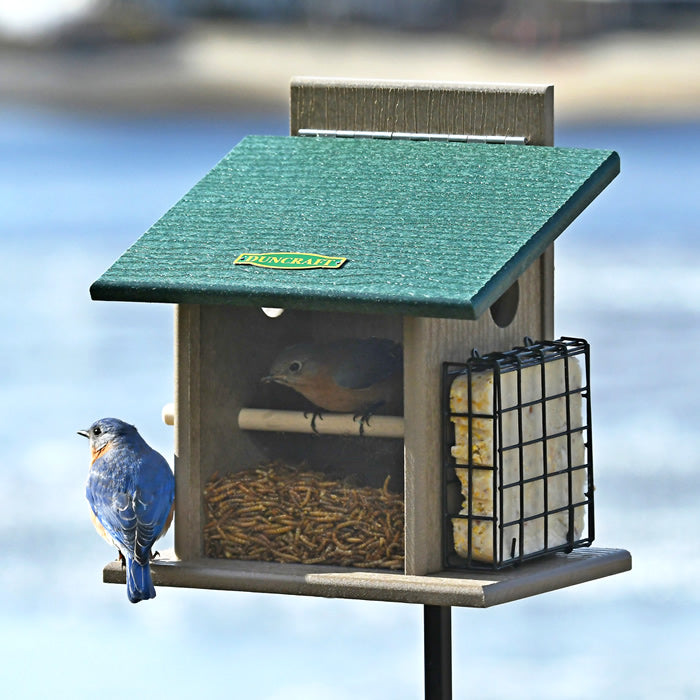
(435, 232)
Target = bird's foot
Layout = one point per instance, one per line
(314, 415)
(364, 417)
(121, 559)
(364, 420)
(154, 555)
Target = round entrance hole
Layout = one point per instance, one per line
(503, 310)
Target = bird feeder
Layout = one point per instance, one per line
(417, 220)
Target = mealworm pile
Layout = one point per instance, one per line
(276, 513)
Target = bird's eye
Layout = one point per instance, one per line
(96, 431)
(295, 367)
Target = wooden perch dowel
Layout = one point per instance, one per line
(326, 424)
(297, 422)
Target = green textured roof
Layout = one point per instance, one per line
(428, 228)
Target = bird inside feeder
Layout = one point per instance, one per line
(352, 375)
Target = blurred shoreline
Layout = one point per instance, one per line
(240, 67)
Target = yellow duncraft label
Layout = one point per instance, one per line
(290, 261)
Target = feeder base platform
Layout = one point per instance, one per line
(454, 588)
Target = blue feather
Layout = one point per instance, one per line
(362, 363)
(139, 585)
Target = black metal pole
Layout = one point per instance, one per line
(437, 645)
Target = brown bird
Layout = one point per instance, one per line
(353, 375)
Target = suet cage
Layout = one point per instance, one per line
(517, 454)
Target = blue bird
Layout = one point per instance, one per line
(353, 375)
(131, 491)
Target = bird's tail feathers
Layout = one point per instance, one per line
(139, 585)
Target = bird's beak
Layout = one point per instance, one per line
(84, 433)
(275, 379)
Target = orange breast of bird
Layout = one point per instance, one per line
(322, 390)
(96, 454)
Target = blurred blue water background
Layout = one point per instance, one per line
(76, 190)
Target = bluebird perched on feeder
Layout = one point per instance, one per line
(353, 375)
(131, 491)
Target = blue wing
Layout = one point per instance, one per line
(365, 362)
(131, 496)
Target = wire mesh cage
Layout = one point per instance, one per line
(517, 454)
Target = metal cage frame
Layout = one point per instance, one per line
(509, 553)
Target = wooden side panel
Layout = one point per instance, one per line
(546, 272)
(188, 484)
